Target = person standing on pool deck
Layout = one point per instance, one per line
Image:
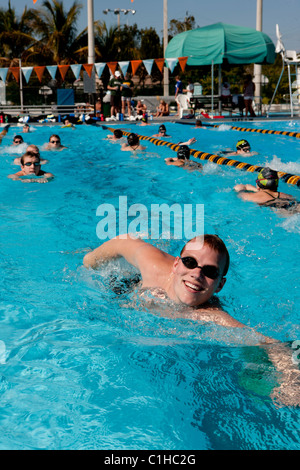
(178, 91)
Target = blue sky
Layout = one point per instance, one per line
(238, 12)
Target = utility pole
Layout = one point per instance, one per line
(91, 37)
(258, 67)
(166, 70)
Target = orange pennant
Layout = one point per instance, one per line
(160, 63)
(39, 70)
(112, 66)
(63, 70)
(88, 68)
(16, 72)
(34, 1)
(135, 65)
(182, 62)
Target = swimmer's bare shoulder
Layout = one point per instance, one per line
(153, 263)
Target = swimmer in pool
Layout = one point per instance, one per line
(4, 132)
(162, 132)
(34, 149)
(54, 143)
(190, 279)
(31, 166)
(117, 135)
(266, 193)
(133, 143)
(18, 140)
(26, 128)
(242, 148)
(183, 159)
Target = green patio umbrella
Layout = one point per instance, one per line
(218, 42)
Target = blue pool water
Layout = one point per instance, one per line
(88, 364)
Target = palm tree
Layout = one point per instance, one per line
(56, 29)
(16, 34)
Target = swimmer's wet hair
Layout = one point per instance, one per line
(215, 243)
(118, 133)
(133, 139)
(29, 154)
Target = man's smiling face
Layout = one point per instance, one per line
(190, 286)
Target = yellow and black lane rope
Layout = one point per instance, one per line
(260, 131)
(286, 177)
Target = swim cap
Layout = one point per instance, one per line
(267, 179)
(243, 145)
(162, 127)
(133, 139)
(118, 133)
(183, 152)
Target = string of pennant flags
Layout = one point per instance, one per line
(99, 67)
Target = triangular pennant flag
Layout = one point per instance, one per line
(16, 72)
(135, 65)
(172, 63)
(182, 62)
(88, 68)
(52, 70)
(34, 1)
(112, 66)
(76, 69)
(27, 71)
(148, 63)
(160, 63)
(63, 70)
(3, 73)
(124, 66)
(100, 66)
(39, 70)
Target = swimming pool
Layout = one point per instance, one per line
(86, 363)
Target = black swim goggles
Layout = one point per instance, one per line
(212, 272)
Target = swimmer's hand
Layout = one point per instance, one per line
(245, 187)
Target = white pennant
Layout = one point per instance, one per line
(100, 66)
(27, 71)
(52, 70)
(3, 73)
(148, 63)
(76, 68)
(124, 66)
(172, 63)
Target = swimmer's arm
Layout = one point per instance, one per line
(136, 251)
(173, 161)
(245, 187)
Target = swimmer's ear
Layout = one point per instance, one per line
(221, 284)
(175, 264)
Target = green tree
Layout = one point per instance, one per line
(56, 29)
(16, 34)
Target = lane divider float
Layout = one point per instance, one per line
(286, 177)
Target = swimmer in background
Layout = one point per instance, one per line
(266, 193)
(4, 132)
(198, 124)
(144, 120)
(54, 143)
(68, 123)
(26, 128)
(162, 132)
(117, 135)
(183, 159)
(242, 148)
(31, 166)
(33, 149)
(133, 143)
(18, 140)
